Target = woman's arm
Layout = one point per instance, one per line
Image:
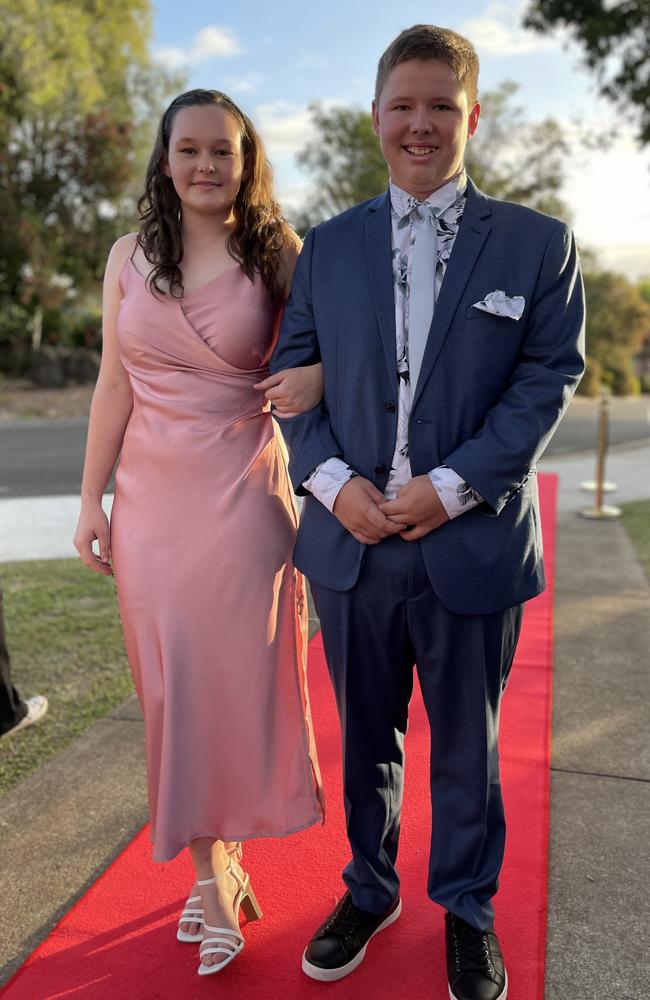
(109, 414)
(294, 390)
(288, 260)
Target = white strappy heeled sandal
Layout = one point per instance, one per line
(194, 914)
(191, 915)
(228, 942)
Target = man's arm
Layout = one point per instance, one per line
(497, 460)
(313, 448)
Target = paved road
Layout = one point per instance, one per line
(41, 457)
(45, 457)
(629, 422)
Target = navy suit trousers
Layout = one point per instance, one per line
(373, 635)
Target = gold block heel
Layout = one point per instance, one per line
(250, 906)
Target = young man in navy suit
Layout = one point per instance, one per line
(450, 329)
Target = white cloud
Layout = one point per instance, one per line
(284, 127)
(611, 184)
(499, 32)
(170, 57)
(292, 196)
(248, 84)
(629, 259)
(212, 42)
(309, 61)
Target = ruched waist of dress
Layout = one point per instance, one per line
(226, 404)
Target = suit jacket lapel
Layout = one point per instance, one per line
(380, 269)
(472, 233)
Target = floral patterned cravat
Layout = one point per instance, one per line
(421, 285)
(433, 231)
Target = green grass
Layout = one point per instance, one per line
(636, 520)
(63, 633)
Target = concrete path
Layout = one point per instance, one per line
(627, 467)
(599, 879)
(39, 527)
(62, 826)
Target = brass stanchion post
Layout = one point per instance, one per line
(601, 511)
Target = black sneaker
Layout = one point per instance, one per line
(339, 945)
(475, 968)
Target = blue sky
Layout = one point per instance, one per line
(273, 59)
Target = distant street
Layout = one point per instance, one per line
(41, 457)
(45, 457)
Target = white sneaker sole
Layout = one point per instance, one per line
(37, 707)
(331, 975)
(502, 995)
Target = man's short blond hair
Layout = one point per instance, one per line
(426, 41)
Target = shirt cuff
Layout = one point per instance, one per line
(327, 480)
(456, 496)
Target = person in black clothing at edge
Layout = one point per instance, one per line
(15, 714)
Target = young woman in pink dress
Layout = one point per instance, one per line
(204, 520)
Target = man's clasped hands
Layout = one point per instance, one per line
(370, 517)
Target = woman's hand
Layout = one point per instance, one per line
(294, 390)
(93, 525)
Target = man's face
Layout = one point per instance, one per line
(423, 122)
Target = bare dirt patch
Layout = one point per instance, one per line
(19, 399)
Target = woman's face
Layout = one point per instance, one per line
(205, 160)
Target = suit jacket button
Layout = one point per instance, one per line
(389, 405)
(380, 470)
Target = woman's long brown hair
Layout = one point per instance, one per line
(260, 230)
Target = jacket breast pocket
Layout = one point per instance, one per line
(504, 322)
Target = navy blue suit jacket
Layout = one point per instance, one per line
(490, 394)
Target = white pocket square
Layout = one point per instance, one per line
(499, 304)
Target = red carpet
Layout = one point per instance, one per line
(118, 941)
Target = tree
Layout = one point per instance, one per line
(615, 38)
(77, 94)
(618, 322)
(643, 356)
(512, 158)
(345, 160)
(509, 157)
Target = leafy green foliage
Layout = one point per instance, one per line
(592, 380)
(512, 158)
(615, 38)
(345, 161)
(618, 321)
(636, 521)
(78, 101)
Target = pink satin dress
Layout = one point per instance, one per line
(202, 532)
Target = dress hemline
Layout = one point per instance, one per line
(319, 818)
